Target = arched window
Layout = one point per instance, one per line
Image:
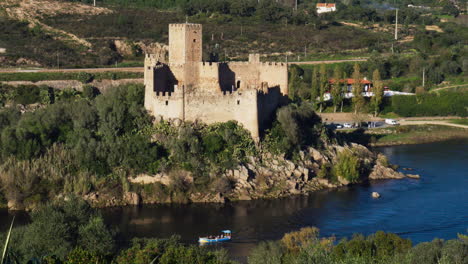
(238, 84)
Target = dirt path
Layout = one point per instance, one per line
(325, 61)
(430, 122)
(141, 69)
(126, 69)
(449, 87)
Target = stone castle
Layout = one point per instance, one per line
(189, 89)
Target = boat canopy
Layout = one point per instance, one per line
(226, 231)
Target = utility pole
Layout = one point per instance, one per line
(396, 25)
(296, 5)
(424, 76)
(305, 51)
(94, 3)
(58, 61)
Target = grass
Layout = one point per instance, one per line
(459, 121)
(389, 115)
(45, 76)
(402, 135)
(414, 134)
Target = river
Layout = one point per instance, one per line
(434, 206)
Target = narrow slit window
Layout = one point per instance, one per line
(167, 102)
(238, 102)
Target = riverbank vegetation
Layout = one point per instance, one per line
(83, 142)
(403, 135)
(305, 246)
(70, 232)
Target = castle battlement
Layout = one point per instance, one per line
(185, 25)
(188, 88)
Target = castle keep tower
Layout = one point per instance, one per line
(185, 43)
(189, 89)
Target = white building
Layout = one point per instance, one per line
(325, 8)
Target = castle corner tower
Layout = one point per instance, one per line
(185, 43)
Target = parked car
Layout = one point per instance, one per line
(347, 125)
(338, 126)
(391, 122)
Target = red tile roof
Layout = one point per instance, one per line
(325, 5)
(350, 81)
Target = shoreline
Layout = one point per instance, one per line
(405, 135)
(425, 141)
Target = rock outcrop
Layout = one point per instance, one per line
(261, 176)
(272, 176)
(379, 172)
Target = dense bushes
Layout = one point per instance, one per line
(304, 246)
(87, 144)
(296, 127)
(431, 104)
(56, 229)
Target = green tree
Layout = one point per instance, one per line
(378, 92)
(323, 84)
(358, 98)
(315, 87)
(55, 230)
(294, 83)
(336, 91)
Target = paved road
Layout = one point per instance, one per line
(140, 69)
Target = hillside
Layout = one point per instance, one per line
(45, 32)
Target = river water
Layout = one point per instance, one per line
(434, 206)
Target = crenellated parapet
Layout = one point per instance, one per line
(188, 88)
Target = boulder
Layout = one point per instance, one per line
(375, 195)
(379, 172)
(290, 166)
(148, 179)
(413, 176)
(14, 205)
(343, 181)
(123, 47)
(316, 155)
(131, 198)
(219, 198)
(241, 173)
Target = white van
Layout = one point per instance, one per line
(391, 122)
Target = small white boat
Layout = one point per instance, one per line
(225, 236)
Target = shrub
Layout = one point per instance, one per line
(294, 241)
(81, 256)
(84, 77)
(269, 252)
(347, 166)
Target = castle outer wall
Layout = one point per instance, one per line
(189, 89)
